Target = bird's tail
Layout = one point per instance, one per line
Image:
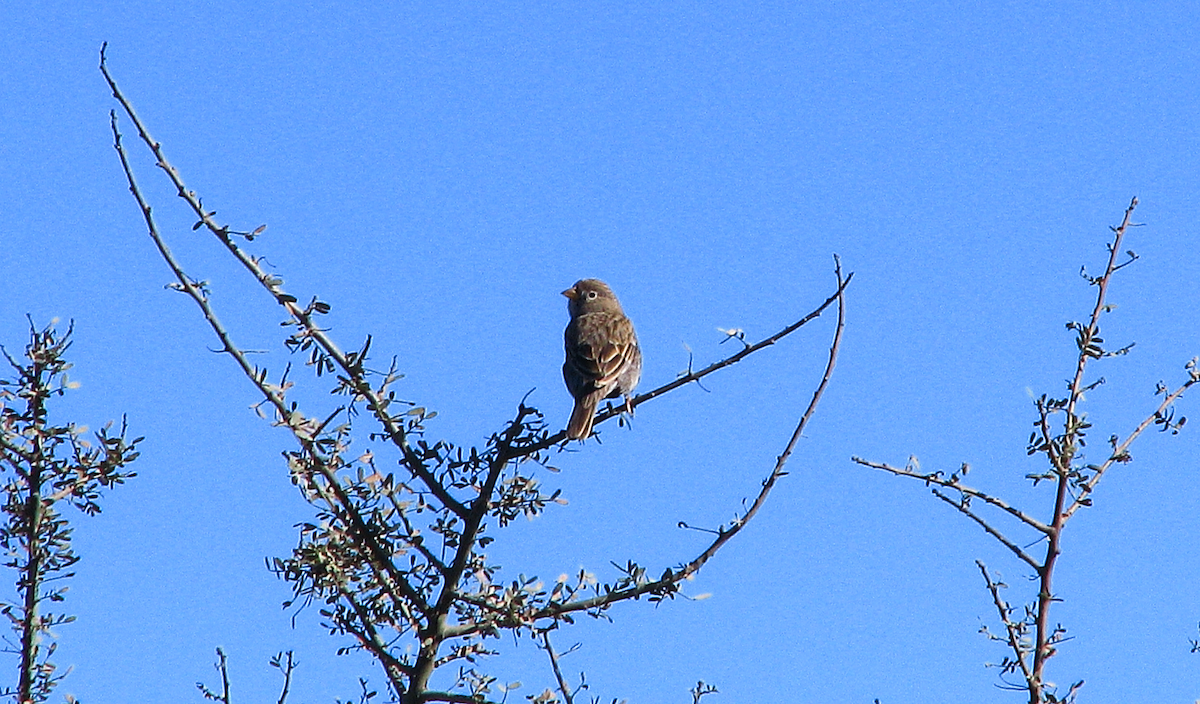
(580, 425)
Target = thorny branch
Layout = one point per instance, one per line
(965, 509)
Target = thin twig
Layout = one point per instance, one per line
(1122, 449)
(741, 354)
(286, 668)
(1016, 549)
(558, 675)
(1014, 638)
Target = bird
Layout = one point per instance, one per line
(603, 359)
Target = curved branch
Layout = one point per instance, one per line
(672, 578)
(560, 436)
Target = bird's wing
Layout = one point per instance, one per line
(604, 348)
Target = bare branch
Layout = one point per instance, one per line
(286, 664)
(936, 478)
(747, 350)
(966, 511)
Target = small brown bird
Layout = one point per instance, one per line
(603, 357)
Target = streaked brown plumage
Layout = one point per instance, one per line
(603, 357)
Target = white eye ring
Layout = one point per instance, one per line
(592, 294)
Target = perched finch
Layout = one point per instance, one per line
(603, 358)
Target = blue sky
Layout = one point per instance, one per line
(440, 173)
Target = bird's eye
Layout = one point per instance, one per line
(592, 294)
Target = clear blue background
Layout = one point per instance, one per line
(440, 173)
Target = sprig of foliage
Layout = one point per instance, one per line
(44, 464)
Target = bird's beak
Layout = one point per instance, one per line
(570, 293)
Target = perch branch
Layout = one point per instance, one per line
(724, 535)
(560, 436)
